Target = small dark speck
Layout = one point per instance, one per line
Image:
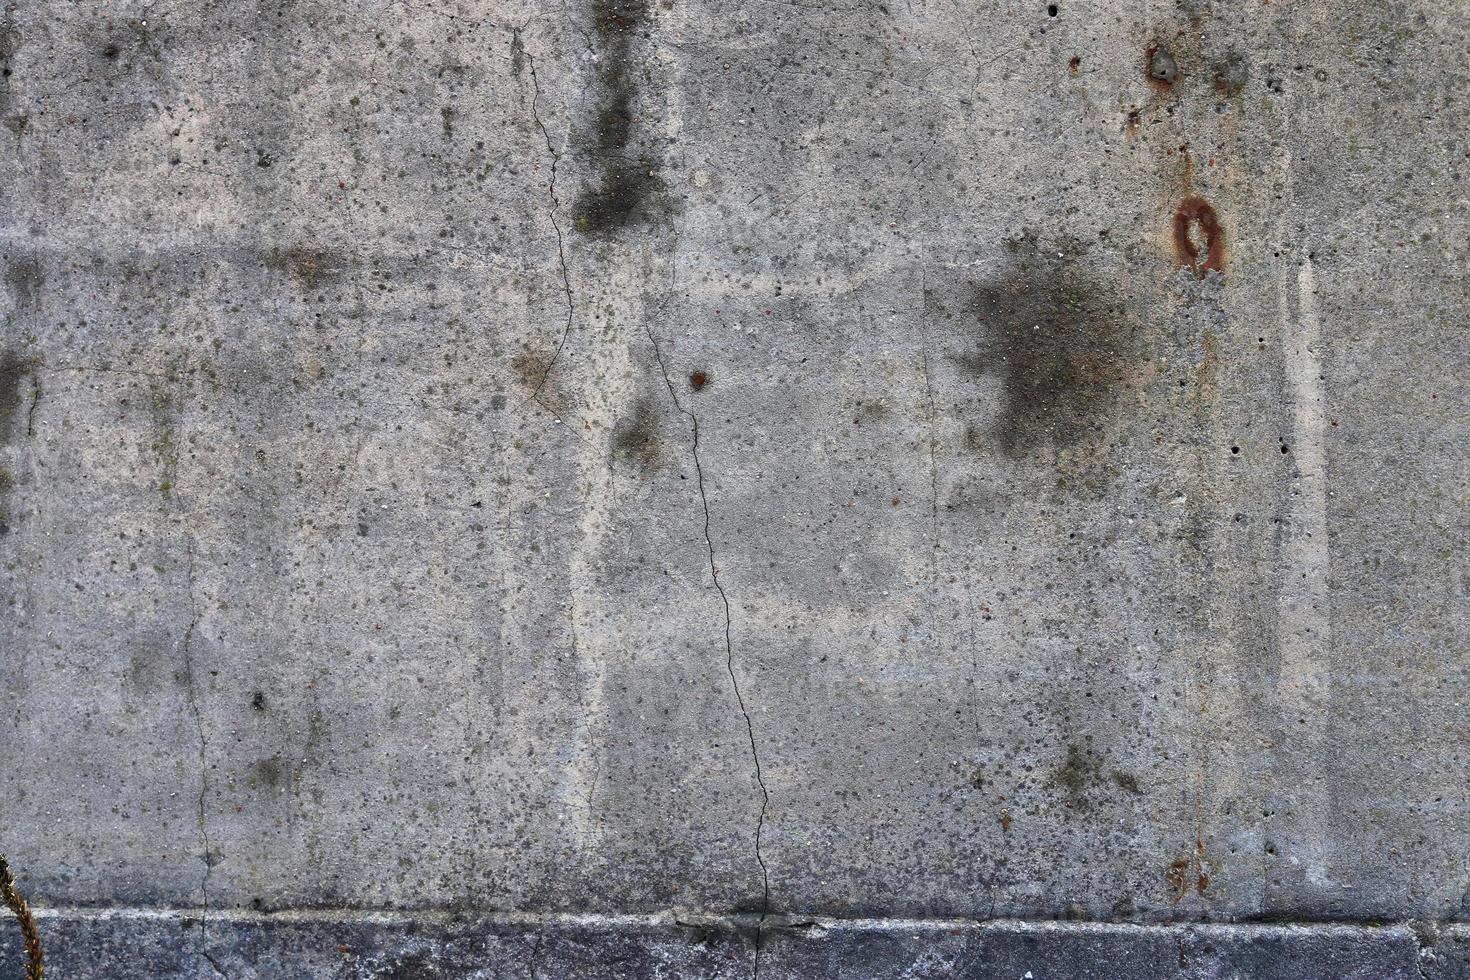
(1284, 450)
(1234, 450)
(1051, 10)
(111, 51)
(478, 503)
(257, 701)
(362, 530)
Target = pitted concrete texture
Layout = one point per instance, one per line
(102, 946)
(931, 460)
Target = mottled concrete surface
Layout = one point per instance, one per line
(104, 946)
(917, 459)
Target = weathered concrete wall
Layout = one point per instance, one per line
(922, 460)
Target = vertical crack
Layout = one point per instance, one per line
(566, 276)
(35, 403)
(201, 804)
(729, 658)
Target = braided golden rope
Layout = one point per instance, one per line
(32, 936)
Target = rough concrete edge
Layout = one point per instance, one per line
(92, 942)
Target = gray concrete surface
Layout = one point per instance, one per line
(913, 460)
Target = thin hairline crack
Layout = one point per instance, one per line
(566, 276)
(729, 650)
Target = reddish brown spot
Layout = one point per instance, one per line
(1160, 69)
(1005, 820)
(1074, 63)
(1177, 880)
(1202, 883)
(1199, 257)
(698, 380)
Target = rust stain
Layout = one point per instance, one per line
(698, 380)
(1201, 257)
(1189, 873)
(1177, 879)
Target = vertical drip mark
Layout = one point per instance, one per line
(1303, 624)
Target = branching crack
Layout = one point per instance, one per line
(714, 569)
(566, 276)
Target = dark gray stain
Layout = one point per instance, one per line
(635, 436)
(15, 378)
(9, 43)
(24, 281)
(6, 483)
(308, 266)
(270, 772)
(625, 187)
(1231, 74)
(1059, 342)
(517, 52)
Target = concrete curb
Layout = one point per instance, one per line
(114, 942)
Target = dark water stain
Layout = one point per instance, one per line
(309, 267)
(446, 116)
(623, 196)
(625, 187)
(1196, 212)
(270, 772)
(1079, 771)
(9, 43)
(24, 280)
(531, 368)
(517, 52)
(1062, 346)
(16, 375)
(635, 436)
(1231, 74)
(1127, 781)
(7, 482)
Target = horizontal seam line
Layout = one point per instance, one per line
(786, 921)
